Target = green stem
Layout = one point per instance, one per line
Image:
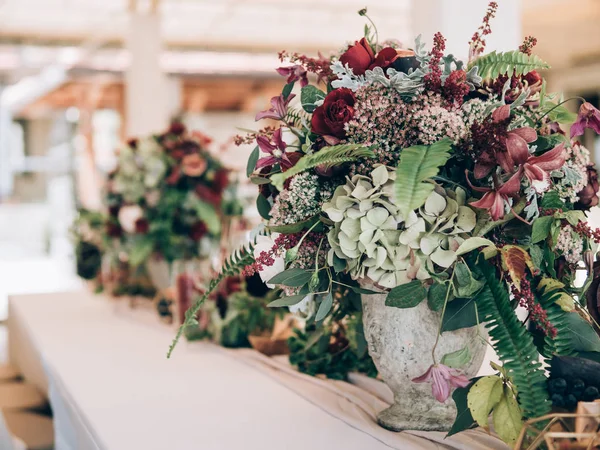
(560, 104)
(439, 333)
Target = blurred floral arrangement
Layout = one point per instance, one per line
(164, 197)
(431, 181)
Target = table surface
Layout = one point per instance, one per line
(132, 397)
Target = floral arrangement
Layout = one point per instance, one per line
(459, 185)
(88, 239)
(164, 197)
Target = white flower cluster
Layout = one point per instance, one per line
(570, 244)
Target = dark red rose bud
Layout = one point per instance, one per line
(384, 58)
(177, 128)
(221, 180)
(533, 78)
(337, 109)
(113, 230)
(142, 226)
(359, 57)
(588, 196)
(197, 231)
(209, 195)
(133, 142)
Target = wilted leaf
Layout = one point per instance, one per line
(508, 417)
(516, 260)
(483, 397)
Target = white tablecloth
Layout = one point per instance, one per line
(112, 387)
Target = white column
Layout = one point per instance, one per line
(457, 20)
(147, 104)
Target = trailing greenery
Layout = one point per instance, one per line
(513, 344)
(233, 266)
(494, 64)
(418, 164)
(327, 157)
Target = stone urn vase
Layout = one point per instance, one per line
(400, 342)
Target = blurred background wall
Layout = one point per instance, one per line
(79, 76)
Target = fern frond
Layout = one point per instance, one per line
(326, 157)
(232, 266)
(494, 64)
(418, 164)
(561, 344)
(297, 118)
(513, 344)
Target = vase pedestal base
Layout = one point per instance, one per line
(395, 418)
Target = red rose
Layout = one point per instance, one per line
(221, 180)
(197, 231)
(385, 58)
(532, 78)
(209, 195)
(337, 109)
(359, 57)
(142, 226)
(176, 128)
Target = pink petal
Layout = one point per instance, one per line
(527, 133)
(486, 201)
(505, 161)
(501, 113)
(481, 170)
(440, 386)
(267, 161)
(513, 185)
(265, 145)
(268, 114)
(535, 173)
(578, 128)
(552, 160)
(425, 377)
(517, 147)
(281, 145)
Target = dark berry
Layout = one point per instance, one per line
(590, 394)
(557, 386)
(570, 402)
(577, 387)
(558, 400)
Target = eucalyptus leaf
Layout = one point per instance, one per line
(252, 160)
(263, 206)
(460, 313)
(287, 90)
(324, 307)
(294, 227)
(406, 295)
(292, 277)
(474, 243)
(287, 301)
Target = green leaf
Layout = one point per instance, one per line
(327, 157)
(363, 291)
(140, 251)
(457, 359)
(252, 160)
(436, 296)
(207, 214)
(460, 313)
(474, 243)
(287, 301)
(558, 113)
(494, 64)
(263, 206)
(464, 420)
(537, 255)
(582, 335)
(407, 295)
(339, 264)
(294, 227)
(324, 307)
(292, 277)
(508, 417)
(551, 200)
(541, 228)
(483, 397)
(260, 180)
(287, 90)
(418, 164)
(309, 95)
